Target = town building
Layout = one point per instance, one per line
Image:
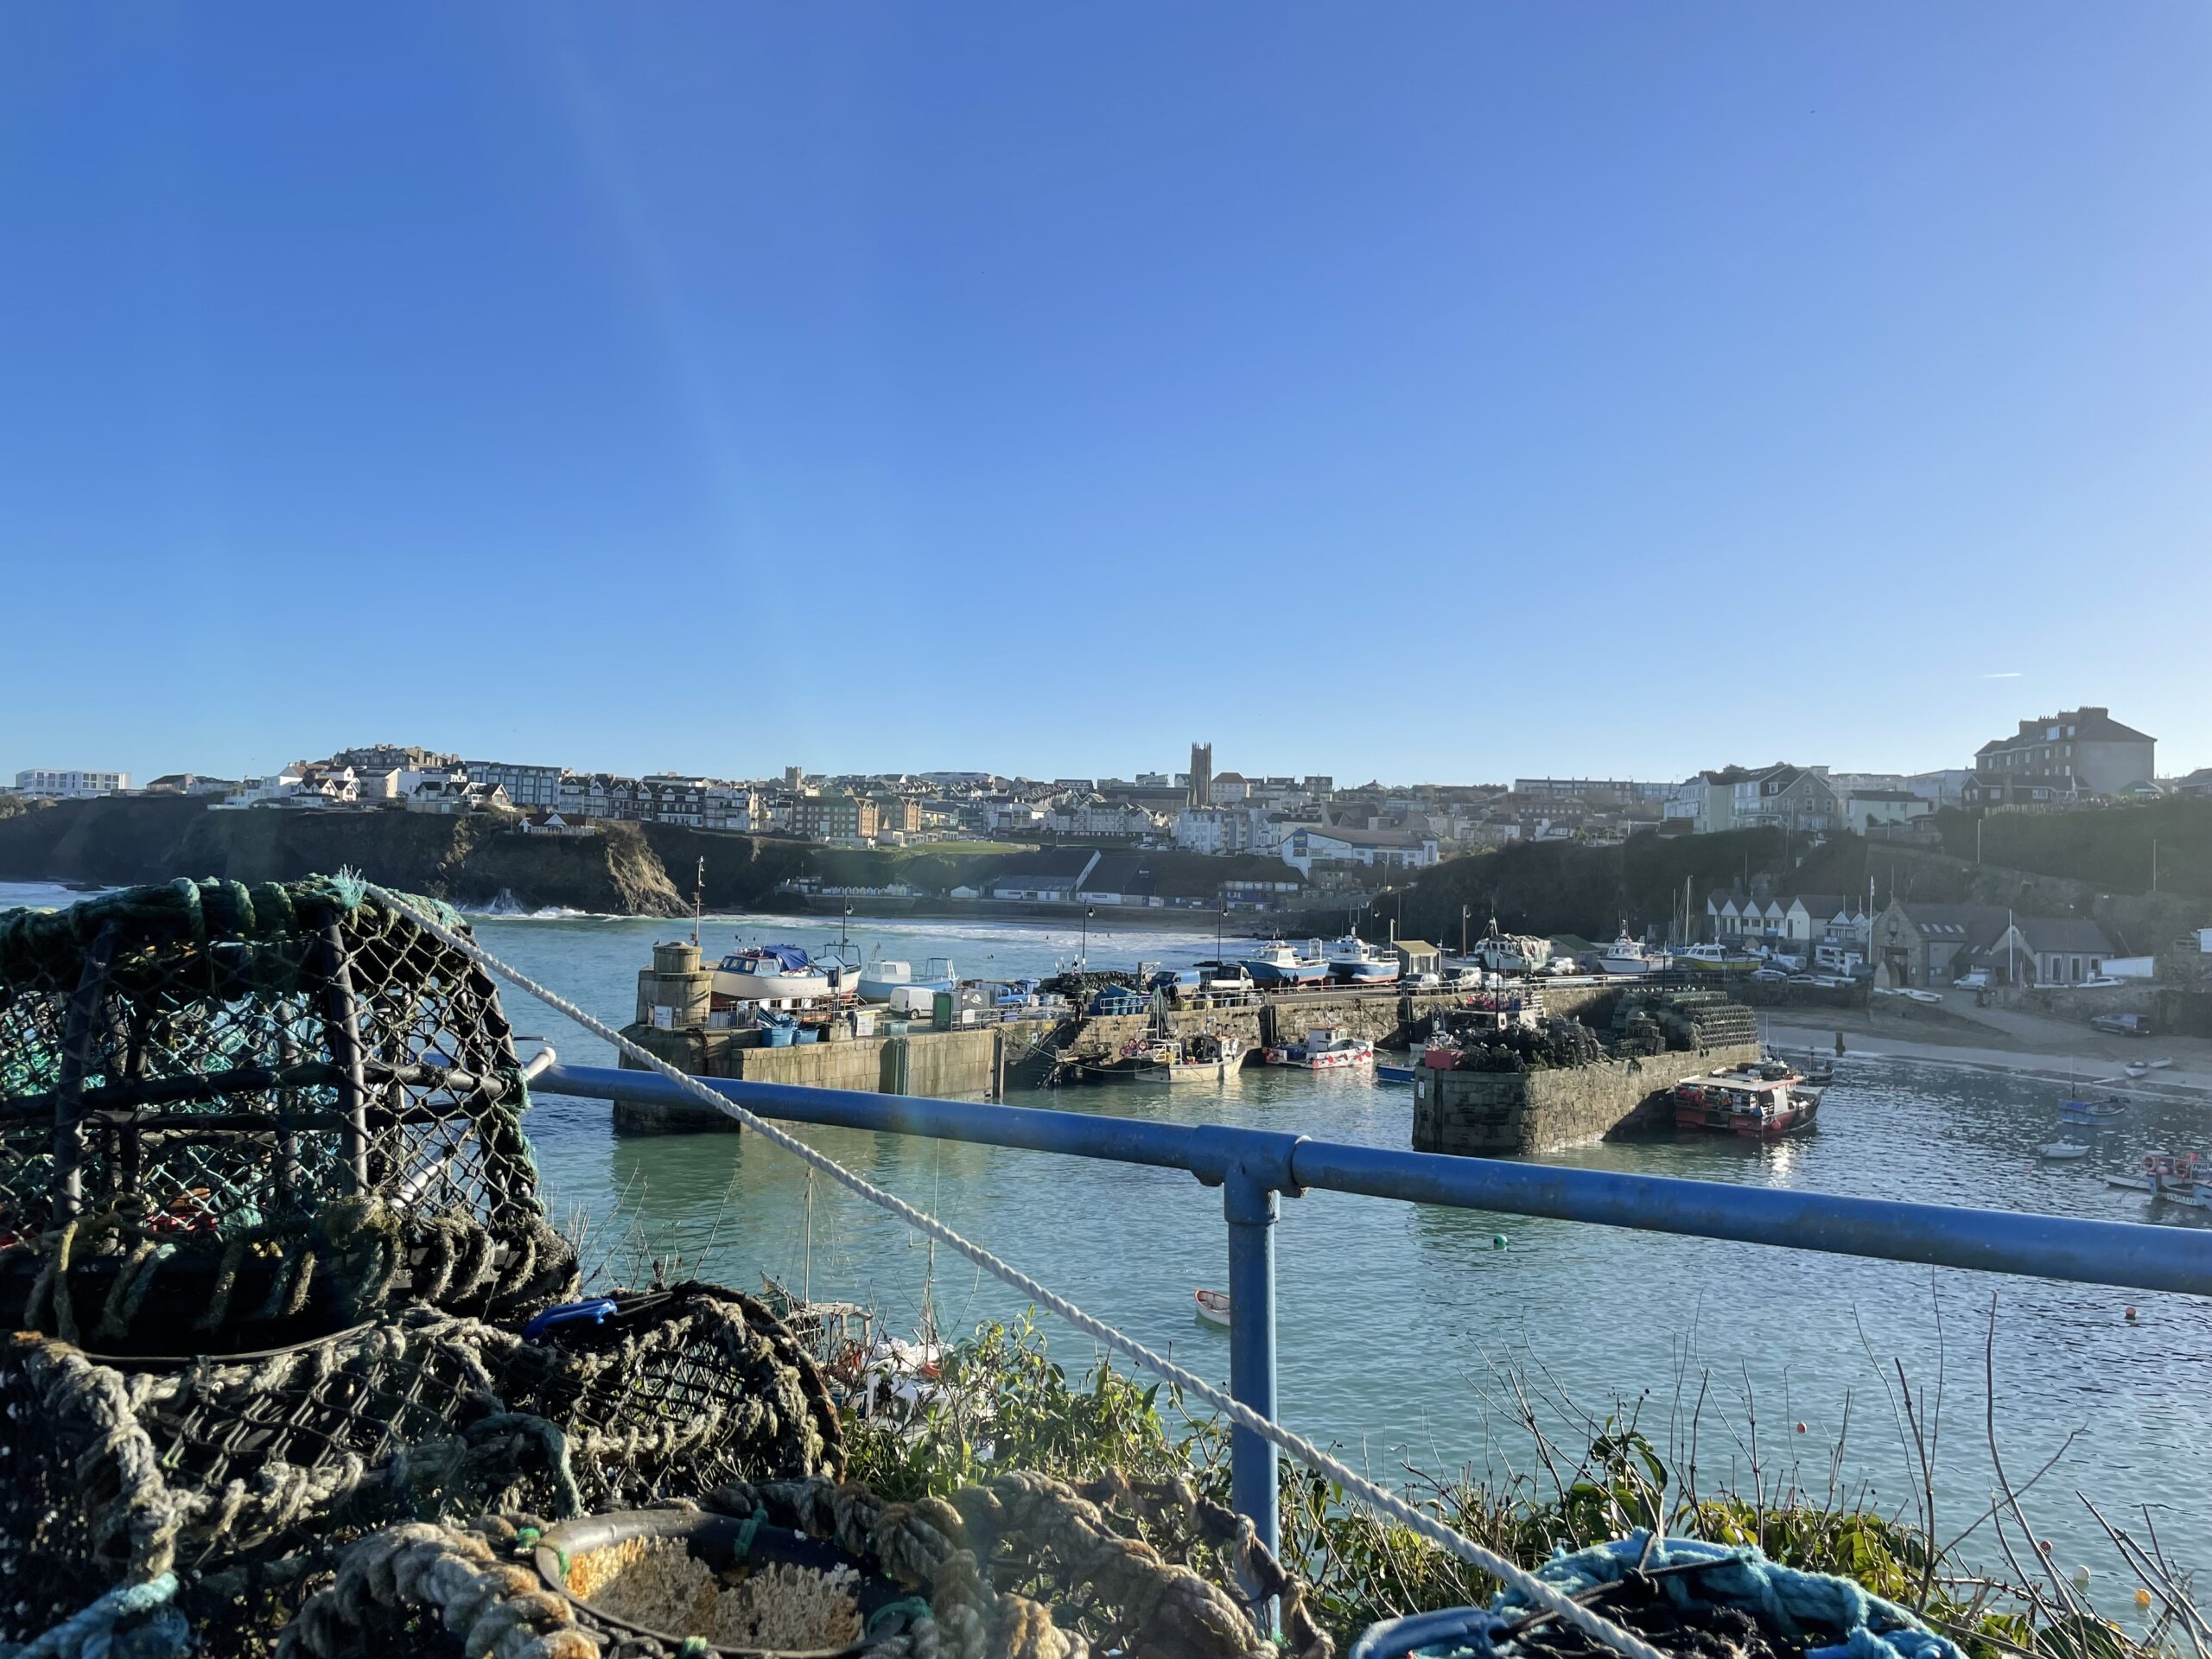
(2057, 759)
(1306, 845)
(530, 788)
(2046, 950)
(1874, 811)
(834, 815)
(191, 783)
(54, 783)
(1919, 944)
(394, 756)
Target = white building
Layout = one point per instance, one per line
(1308, 844)
(46, 784)
(1099, 818)
(1866, 809)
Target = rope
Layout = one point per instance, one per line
(1522, 1582)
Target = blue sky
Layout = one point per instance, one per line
(1442, 391)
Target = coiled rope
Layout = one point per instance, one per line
(1523, 1583)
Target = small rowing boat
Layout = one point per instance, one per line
(1394, 1073)
(1213, 1306)
(2063, 1149)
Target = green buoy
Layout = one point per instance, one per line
(1498, 1241)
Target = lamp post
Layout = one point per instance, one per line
(1082, 955)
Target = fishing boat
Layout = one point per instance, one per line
(769, 973)
(1746, 1101)
(883, 980)
(1627, 956)
(1512, 953)
(2062, 1149)
(1326, 1048)
(1356, 962)
(1205, 1058)
(1213, 1306)
(1278, 963)
(2091, 1111)
(2169, 1179)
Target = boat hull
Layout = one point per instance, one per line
(1298, 1059)
(770, 988)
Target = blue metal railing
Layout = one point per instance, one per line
(1255, 1167)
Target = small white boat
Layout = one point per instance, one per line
(2137, 1068)
(1326, 1048)
(1354, 960)
(769, 973)
(1627, 956)
(2156, 1065)
(883, 980)
(1213, 1306)
(2063, 1149)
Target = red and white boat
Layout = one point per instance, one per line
(1760, 1102)
(1326, 1048)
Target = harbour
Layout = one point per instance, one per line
(1447, 1309)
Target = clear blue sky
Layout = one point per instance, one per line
(1437, 391)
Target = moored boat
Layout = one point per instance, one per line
(769, 973)
(1325, 1048)
(1512, 953)
(1746, 1101)
(1212, 1305)
(1394, 1073)
(2062, 1149)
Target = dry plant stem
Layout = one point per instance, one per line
(1927, 1485)
(2179, 1608)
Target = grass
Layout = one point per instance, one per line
(1579, 1477)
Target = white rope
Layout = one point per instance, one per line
(1524, 1583)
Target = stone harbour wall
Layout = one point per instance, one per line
(1519, 1114)
(945, 1064)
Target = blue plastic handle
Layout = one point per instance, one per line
(595, 1311)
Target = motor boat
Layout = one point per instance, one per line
(1326, 1048)
(769, 973)
(883, 980)
(1277, 963)
(1356, 962)
(1627, 956)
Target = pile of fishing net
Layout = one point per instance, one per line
(1023, 1566)
(272, 1236)
(1687, 1598)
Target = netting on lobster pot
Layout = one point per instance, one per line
(282, 1104)
(242, 1476)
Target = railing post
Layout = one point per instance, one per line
(1250, 1205)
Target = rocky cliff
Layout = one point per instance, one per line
(466, 860)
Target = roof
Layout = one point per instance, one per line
(1823, 904)
(1880, 795)
(1363, 838)
(2091, 724)
(1120, 873)
(1970, 924)
(1417, 947)
(2069, 933)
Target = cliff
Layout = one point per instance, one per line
(468, 861)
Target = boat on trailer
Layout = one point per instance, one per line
(769, 973)
(1278, 963)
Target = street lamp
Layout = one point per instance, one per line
(1082, 955)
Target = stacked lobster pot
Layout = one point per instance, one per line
(271, 1240)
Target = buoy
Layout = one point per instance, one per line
(2130, 1315)
(2142, 1597)
(1801, 1428)
(1498, 1241)
(2082, 1576)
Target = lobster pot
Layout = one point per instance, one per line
(1683, 1596)
(232, 1118)
(813, 1568)
(243, 1475)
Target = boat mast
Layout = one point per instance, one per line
(698, 899)
(806, 1271)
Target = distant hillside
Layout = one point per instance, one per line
(128, 842)
(2108, 849)
(1562, 887)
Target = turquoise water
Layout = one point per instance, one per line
(1399, 1322)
